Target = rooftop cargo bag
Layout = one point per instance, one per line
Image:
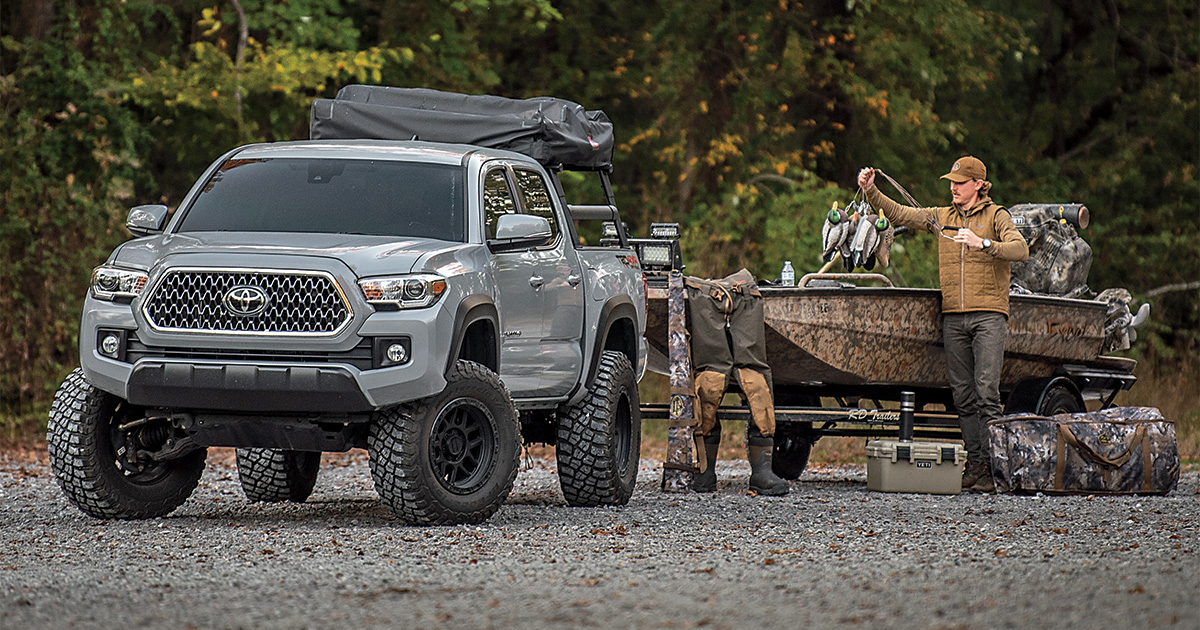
(550, 130)
(1119, 450)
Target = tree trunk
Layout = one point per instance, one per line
(35, 19)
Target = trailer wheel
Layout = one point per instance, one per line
(793, 441)
(89, 454)
(599, 439)
(271, 475)
(450, 458)
(1059, 399)
(793, 445)
(1044, 397)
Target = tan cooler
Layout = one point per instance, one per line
(922, 467)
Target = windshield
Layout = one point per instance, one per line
(380, 197)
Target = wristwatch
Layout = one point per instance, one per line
(987, 242)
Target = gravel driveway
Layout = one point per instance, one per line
(830, 554)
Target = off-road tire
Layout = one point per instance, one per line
(600, 437)
(450, 458)
(83, 456)
(271, 475)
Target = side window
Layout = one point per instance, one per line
(535, 197)
(497, 200)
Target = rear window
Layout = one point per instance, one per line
(377, 197)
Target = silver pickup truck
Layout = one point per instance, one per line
(428, 301)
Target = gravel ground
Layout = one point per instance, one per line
(830, 554)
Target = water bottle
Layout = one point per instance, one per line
(787, 277)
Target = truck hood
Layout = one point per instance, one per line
(364, 255)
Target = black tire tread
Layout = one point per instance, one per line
(588, 472)
(85, 473)
(270, 475)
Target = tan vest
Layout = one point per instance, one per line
(971, 279)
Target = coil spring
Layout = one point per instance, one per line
(153, 436)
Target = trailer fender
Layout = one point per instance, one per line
(1045, 397)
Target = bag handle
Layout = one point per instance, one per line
(1066, 436)
(1065, 433)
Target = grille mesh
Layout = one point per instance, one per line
(297, 303)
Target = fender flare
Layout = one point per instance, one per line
(614, 310)
(472, 309)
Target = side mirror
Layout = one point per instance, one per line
(519, 231)
(146, 220)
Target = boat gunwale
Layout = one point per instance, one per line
(778, 292)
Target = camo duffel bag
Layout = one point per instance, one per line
(1120, 450)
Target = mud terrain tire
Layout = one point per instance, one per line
(450, 458)
(84, 442)
(271, 475)
(599, 438)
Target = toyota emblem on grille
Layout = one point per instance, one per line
(245, 301)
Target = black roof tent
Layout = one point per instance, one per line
(555, 132)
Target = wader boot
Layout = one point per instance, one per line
(762, 479)
(706, 481)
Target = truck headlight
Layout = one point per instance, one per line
(113, 284)
(415, 291)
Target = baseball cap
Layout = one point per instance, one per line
(966, 169)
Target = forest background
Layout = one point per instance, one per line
(742, 120)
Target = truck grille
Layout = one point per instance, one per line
(242, 301)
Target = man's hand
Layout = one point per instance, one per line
(971, 239)
(866, 178)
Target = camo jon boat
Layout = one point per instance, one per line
(841, 334)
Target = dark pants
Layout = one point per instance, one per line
(974, 357)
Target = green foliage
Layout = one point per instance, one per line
(744, 121)
(71, 165)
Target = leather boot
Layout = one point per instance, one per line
(984, 483)
(971, 474)
(707, 480)
(762, 479)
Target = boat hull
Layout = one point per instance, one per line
(893, 336)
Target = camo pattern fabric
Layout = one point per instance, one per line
(678, 468)
(1059, 260)
(1118, 318)
(1104, 452)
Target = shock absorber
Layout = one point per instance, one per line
(152, 436)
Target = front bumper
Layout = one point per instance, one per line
(217, 372)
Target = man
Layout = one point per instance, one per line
(977, 241)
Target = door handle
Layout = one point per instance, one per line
(536, 282)
(574, 279)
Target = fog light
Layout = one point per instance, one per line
(110, 346)
(396, 353)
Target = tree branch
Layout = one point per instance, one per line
(1168, 288)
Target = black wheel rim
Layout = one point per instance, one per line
(623, 432)
(149, 474)
(462, 445)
